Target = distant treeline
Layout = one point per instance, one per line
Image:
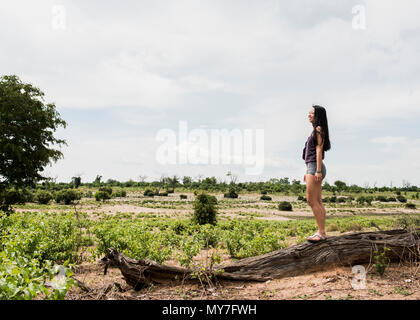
(210, 184)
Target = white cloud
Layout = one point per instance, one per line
(140, 59)
(389, 140)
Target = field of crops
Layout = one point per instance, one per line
(38, 238)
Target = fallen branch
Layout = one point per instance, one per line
(345, 250)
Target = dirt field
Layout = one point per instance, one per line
(400, 281)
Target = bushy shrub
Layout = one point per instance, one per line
(183, 196)
(410, 206)
(43, 196)
(88, 194)
(149, 193)
(341, 199)
(231, 194)
(369, 200)
(285, 206)
(170, 191)
(22, 278)
(18, 196)
(162, 194)
(67, 196)
(120, 193)
(301, 198)
(264, 197)
(180, 226)
(263, 192)
(106, 189)
(102, 195)
(205, 210)
(392, 199)
(402, 199)
(381, 199)
(361, 200)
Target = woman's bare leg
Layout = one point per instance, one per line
(314, 198)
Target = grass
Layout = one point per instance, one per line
(402, 291)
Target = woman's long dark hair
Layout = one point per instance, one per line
(320, 119)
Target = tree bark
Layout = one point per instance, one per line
(345, 250)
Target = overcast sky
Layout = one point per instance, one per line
(120, 72)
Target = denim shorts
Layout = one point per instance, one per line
(311, 169)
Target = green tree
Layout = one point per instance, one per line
(341, 186)
(205, 209)
(186, 181)
(76, 181)
(27, 126)
(173, 182)
(97, 181)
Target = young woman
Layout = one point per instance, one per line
(313, 154)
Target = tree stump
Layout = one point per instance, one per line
(345, 250)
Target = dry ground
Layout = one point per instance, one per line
(400, 282)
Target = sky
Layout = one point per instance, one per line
(125, 75)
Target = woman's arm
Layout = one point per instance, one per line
(319, 149)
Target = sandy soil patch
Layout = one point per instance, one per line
(400, 282)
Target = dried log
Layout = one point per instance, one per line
(345, 250)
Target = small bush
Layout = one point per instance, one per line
(369, 200)
(88, 194)
(102, 195)
(264, 197)
(381, 199)
(162, 194)
(381, 261)
(361, 200)
(402, 199)
(170, 191)
(285, 206)
(183, 196)
(180, 226)
(67, 196)
(149, 193)
(392, 199)
(341, 199)
(410, 206)
(263, 192)
(205, 209)
(43, 197)
(18, 196)
(301, 198)
(106, 189)
(231, 194)
(121, 193)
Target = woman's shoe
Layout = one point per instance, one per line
(311, 238)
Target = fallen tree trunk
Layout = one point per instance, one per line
(345, 250)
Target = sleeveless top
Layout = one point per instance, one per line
(309, 152)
